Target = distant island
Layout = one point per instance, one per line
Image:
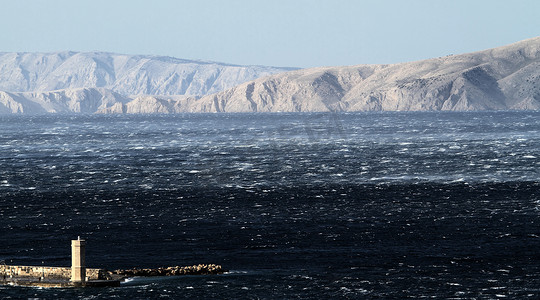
(503, 78)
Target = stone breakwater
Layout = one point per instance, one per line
(60, 277)
(202, 269)
(9, 271)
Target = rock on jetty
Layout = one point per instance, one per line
(202, 269)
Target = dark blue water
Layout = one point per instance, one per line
(363, 205)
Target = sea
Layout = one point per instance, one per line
(379, 205)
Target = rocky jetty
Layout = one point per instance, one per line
(202, 269)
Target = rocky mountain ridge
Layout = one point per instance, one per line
(501, 78)
(123, 74)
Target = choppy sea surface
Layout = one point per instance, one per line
(296, 206)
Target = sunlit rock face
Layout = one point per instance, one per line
(496, 79)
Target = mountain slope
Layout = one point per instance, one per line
(507, 77)
(124, 74)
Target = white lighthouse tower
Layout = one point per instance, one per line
(78, 268)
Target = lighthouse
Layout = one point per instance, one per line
(78, 267)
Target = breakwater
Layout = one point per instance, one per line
(78, 275)
(45, 276)
(45, 272)
(61, 277)
(201, 269)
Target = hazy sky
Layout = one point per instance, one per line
(295, 33)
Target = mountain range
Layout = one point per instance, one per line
(503, 78)
(66, 82)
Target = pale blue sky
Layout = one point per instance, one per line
(295, 33)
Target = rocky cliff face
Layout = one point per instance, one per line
(502, 78)
(85, 100)
(151, 104)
